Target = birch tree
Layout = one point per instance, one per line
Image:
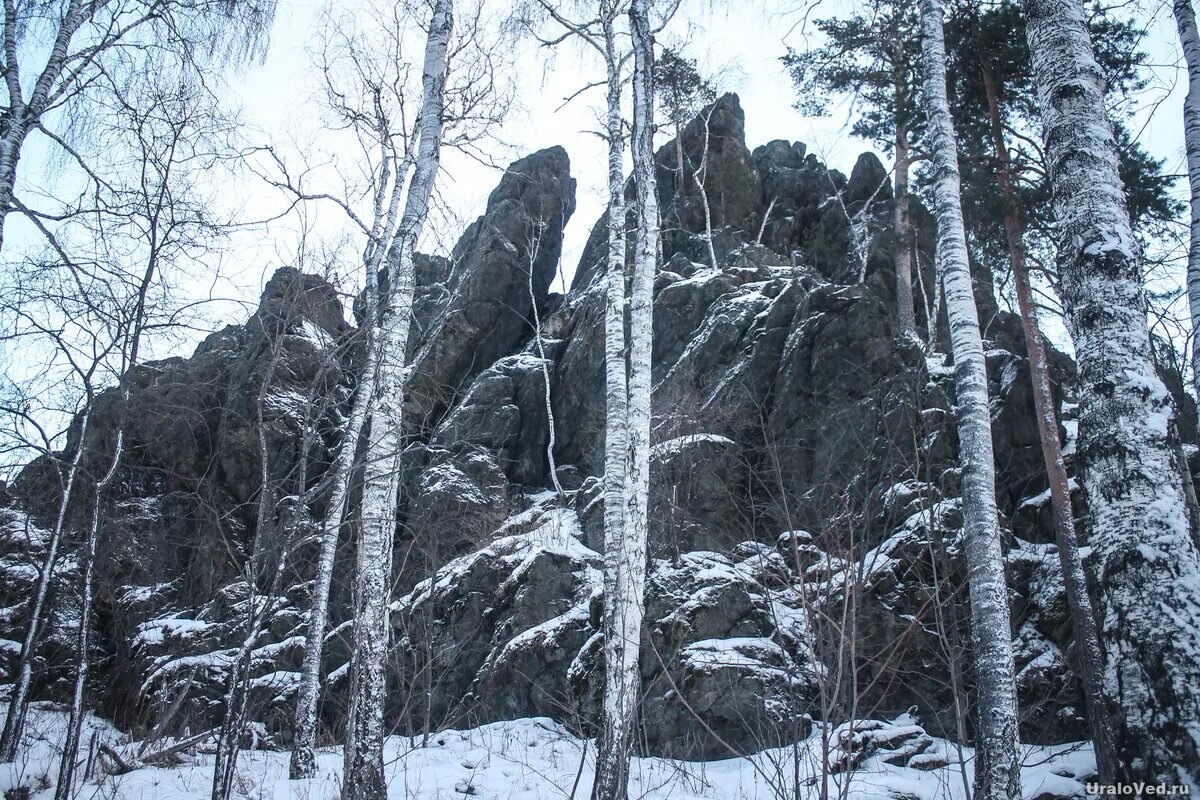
(144, 212)
(625, 559)
(602, 33)
(174, 138)
(69, 474)
(997, 769)
(389, 152)
(59, 55)
(1147, 561)
(364, 778)
(1189, 40)
(1087, 654)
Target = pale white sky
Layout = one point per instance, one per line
(280, 103)
(279, 99)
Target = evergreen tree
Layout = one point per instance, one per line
(871, 56)
(988, 64)
(681, 92)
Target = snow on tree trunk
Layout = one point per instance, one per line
(625, 559)
(1147, 560)
(1189, 39)
(611, 776)
(699, 177)
(547, 399)
(381, 480)
(63, 790)
(237, 689)
(18, 702)
(1088, 658)
(997, 770)
(303, 758)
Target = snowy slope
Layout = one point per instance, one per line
(529, 759)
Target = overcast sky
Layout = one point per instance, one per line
(280, 102)
(279, 99)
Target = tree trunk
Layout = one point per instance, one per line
(997, 769)
(906, 317)
(625, 559)
(1088, 663)
(63, 790)
(613, 743)
(1147, 559)
(1189, 39)
(18, 702)
(10, 155)
(682, 173)
(381, 480)
(303, 758)
(547, 399)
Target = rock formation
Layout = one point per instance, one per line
(804, 479)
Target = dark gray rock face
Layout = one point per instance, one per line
(513, 630)
(500, 270)
(804, 472)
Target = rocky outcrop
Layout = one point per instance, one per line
(805, 476)
(500, 270)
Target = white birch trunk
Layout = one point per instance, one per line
(906, 318)
(616, 429)
(1146, 557)
(303, 757)
(625, 556)
(545, 368)
(381, 480)
(66, 775)
(997, 769)
(24, 115)
(64, 789)
(18, 702)
(699, 177)
(1189, 40)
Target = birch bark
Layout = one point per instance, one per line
(1088, 659)
(303, 757)
(1147, 560)
(905, 314)
(997, 769)
(364, 748)
(611, 777)
(18, 702)
(1189, 39)
(626, 559)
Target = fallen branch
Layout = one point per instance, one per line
(183, 744)
(122, 766)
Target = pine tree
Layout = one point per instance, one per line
(988, 65)
(1147, 558)
(997, 768)
(1083, 620)
(869, 56)
(681, 92)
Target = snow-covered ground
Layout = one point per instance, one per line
(536, 758)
